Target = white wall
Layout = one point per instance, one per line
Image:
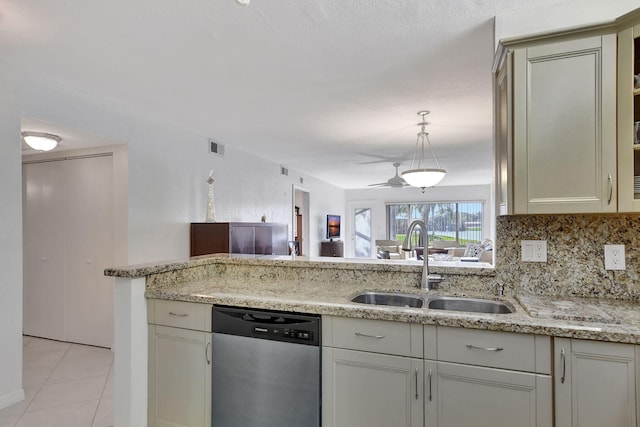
(378, 198)
(569, 14)
(11, 242)
(168, 168)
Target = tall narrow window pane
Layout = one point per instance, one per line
(363, 233)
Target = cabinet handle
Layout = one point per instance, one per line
(473, 347)
(564, 365)
(378, 337)
(206, 352)
(430, 396)
(178, 314)
(416, 377)
(610, 180)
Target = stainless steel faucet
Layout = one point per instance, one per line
(428, 281)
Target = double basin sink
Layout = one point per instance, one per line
(474, 305)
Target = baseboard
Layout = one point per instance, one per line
(11, 398)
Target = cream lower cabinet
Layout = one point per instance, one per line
(463, 395)
(371, 373)
(595, 384)
(364, 389)
(486, 378)
(179, 364)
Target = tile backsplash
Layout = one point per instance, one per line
(575, 254)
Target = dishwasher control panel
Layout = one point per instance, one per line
(297, 334)
(279, 326)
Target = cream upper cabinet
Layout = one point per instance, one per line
(595, 384)
(503, 143)
(629, 114)
(564, 124)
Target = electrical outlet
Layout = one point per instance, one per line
(534, 250)
(614, 257)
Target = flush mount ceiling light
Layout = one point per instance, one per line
(41, 141)
(422, 176)
(243, 2)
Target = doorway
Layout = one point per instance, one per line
(361, 217)
(300, 220)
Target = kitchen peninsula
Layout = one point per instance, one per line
(326, 287)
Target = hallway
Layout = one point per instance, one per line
(66, 385)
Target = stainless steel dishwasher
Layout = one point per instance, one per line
(266, 368)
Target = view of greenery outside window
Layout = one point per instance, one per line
(455, 221)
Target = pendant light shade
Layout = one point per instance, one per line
(420, 175)
(41, 141)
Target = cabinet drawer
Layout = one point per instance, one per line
(186, 315)
(488, 348)
(378, 336)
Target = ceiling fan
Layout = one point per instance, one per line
(394, 182)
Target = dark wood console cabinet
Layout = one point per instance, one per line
(333, 248)
(239, 238)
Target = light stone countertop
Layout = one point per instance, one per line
(533, 315)
(326, 287)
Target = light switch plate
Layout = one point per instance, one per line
(533, 250)
(614, 257)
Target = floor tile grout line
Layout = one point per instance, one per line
(95, 414)
(26, 409)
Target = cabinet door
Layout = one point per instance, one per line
(594, 384)
(363, 389)
(243, 239)
(565, 126)
(179, 377)
(482, 397)
(503, 149)
(628, 117)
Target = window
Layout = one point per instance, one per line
(455, 221)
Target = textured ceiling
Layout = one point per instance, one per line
(327, 87)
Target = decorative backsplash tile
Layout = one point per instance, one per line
(575, 254)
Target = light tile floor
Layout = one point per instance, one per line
(66, 385)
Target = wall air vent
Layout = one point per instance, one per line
(216, 148)
(284, 171)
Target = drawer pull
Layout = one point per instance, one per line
(178, 314)
(378, 337)
(430, 395)
(473, 347)
(206, 352)
(564, 366)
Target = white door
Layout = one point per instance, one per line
(44, 286)
(68, 229)
(362, 232)
(89, 183)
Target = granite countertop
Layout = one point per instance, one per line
(276, 283)
(614, 321)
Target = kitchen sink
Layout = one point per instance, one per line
(468, 304)
(389, 298)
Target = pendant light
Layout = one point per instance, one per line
(41, 141)
(422, 176)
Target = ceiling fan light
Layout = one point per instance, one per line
(41, 141)
(423, 178)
